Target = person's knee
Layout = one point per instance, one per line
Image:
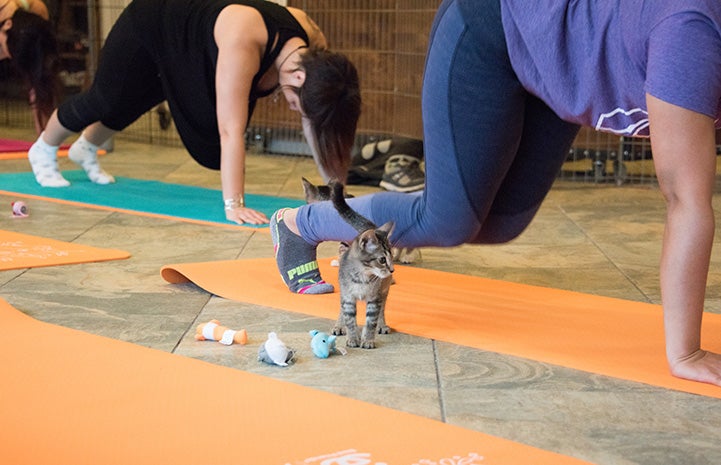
(80, 111)
(500, 229)
(498, 235)
(453, 237)
(451, 233)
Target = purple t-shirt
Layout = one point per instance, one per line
(593, 61)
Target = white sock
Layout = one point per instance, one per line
(44, 162)
(85, 154)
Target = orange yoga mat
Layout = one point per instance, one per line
(612, 337)
(19, 251)
(69, 397)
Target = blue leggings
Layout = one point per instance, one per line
(492, 150)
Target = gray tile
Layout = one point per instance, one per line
(589, 416)
(400, 373)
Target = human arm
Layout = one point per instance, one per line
(238, 61)
(684, 153)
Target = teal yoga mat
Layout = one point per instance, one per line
(175, 201)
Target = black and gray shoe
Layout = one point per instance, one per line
(403, 173)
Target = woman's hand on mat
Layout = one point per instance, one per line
(701, 366)
(242, 215)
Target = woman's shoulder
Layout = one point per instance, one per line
(315, 35)
(240, 21)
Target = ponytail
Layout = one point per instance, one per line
(331, 100)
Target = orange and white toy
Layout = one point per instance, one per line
(212, 331)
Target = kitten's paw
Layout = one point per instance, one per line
(406, 256)
(352, 342)
(338, 331)
(368, 344)
(384, 330)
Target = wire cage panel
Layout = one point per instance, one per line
(386, 40)
(603, 157)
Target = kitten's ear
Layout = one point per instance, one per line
(310, 191)
(387, 228)
(368, 241)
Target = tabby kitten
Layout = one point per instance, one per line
(364, 273)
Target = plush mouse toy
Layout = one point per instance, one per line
(275, 352)
(212, 331)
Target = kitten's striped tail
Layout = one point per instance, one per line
(355, 219)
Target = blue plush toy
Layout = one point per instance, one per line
(322, 344)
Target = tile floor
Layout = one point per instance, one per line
(598, 239)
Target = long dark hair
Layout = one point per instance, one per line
(34, 54)
(330, 98)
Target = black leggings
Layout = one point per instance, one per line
(126, 84)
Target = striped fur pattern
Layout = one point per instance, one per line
(321, 193)
(364, 274)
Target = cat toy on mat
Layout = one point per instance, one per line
(323, 345)
(212, 331)
(20, 210)
(275, 352)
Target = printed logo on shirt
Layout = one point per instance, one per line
(632, 122)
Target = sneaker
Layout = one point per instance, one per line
(403, 173)
(368, 165)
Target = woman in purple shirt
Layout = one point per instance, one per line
(505, 91)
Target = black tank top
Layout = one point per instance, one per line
(179, 34)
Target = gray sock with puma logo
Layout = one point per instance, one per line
(296, 259)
